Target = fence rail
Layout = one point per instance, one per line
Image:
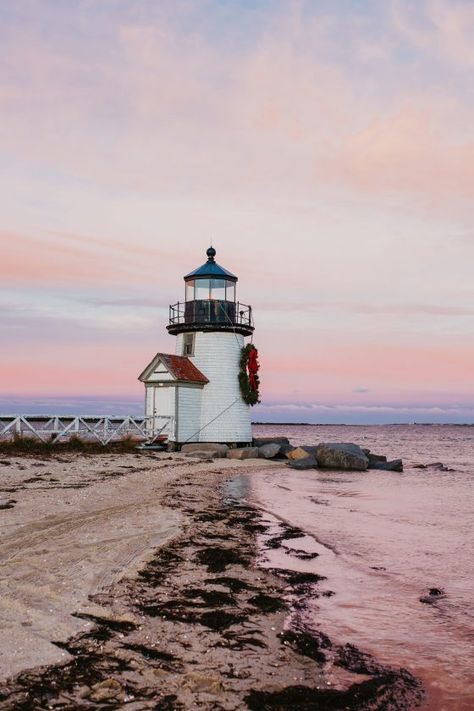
(103, 429)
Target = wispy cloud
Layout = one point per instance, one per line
(326, 148)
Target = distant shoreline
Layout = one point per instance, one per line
(359, 424)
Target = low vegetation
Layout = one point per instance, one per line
(29, 446)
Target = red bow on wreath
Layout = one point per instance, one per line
(253, 366)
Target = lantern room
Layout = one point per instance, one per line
(210, 302)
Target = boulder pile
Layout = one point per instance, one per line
(327, 455)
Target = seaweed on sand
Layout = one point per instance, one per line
(393, 691)
(267, 603)
(218, 558)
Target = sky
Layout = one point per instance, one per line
(326, 148)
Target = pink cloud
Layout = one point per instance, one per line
(277, 116)
(76, 368)
(412, 151)
(67, 259)
(334, 371)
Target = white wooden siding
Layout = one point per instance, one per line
(160, 374)
(217, 355)
(189, 413)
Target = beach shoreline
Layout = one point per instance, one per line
(183, 613)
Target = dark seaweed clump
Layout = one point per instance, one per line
(393, 691)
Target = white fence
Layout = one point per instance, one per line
(54, 428)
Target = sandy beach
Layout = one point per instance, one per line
(134, 581)
(72, 526)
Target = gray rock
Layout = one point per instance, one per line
(306, 463)
(270, 450)
(285, 448)
(341, 456)
(375, 458)
(213, 449)
(260, 441)
(243, 453)
(439, 466)
(208, 456)
(433, 596)
(396, 465)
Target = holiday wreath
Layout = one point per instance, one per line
(248, 378)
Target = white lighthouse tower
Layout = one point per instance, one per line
(197, 387)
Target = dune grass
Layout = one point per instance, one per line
(29, 446)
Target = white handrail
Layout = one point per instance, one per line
(101, 428)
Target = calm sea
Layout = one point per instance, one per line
(384, 539)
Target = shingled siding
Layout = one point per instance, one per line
(189, 413)
(217, 355)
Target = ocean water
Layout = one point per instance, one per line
(384, 539)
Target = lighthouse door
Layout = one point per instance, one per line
(163, 406)
(163, 401)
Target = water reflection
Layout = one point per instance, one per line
(387, 538)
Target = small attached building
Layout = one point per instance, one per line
(173, 387)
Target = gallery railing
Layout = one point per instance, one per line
(211, 312)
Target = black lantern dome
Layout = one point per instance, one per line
(210, 302)
(210, 269)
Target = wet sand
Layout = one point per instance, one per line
(134, 581)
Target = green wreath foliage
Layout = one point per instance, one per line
(250, 395)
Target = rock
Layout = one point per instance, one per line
(341, 456)
(396, 465)
(105, 690)
(285, 448)
(304, 463)
(439, 466)
(200, 683)
(243, 453)
(7, 504)
(301, 452)
(434, 594)
(260, 441)
(208, 456)
(270, 450)
(375, 458)
(212, 449)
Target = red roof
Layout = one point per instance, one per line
(182, 368)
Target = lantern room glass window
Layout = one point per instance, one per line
(190, 290)
(210, 289)
(230, 291)
(218, 289)
(202, 289)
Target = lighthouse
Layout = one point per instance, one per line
(199, 388)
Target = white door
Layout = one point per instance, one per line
(163, 401)
(163, 407)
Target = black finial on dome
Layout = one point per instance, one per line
(211, 253)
